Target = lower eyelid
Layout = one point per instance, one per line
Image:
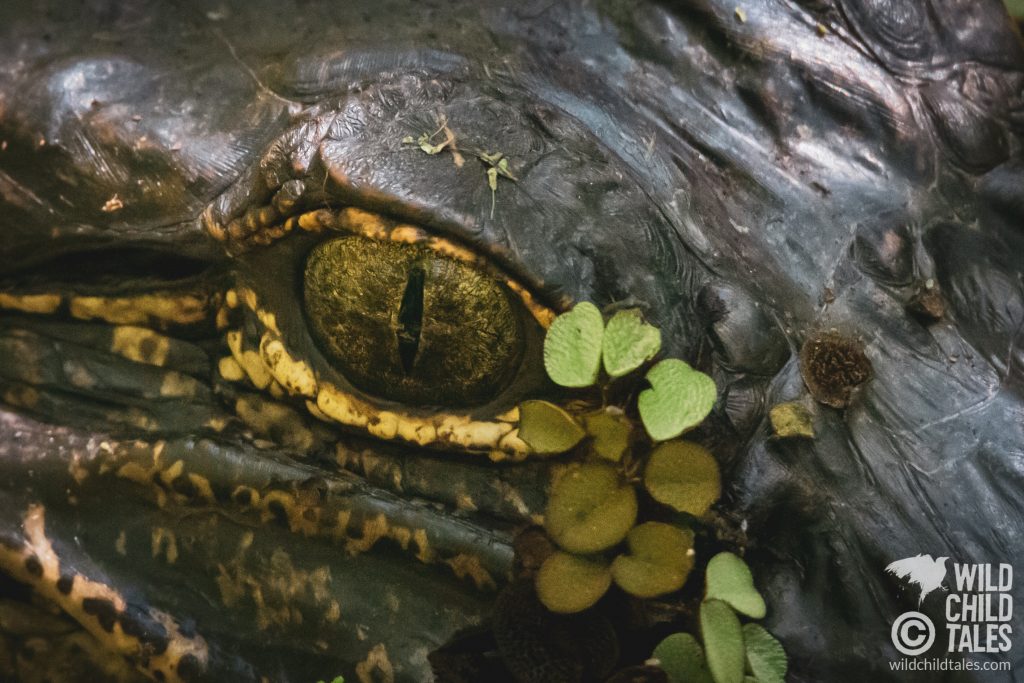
(259, 355)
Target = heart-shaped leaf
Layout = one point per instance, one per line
(728, 578)
(723, 641)
(572, 346)
(611, 433)
(683, 475)
(678, 400)
(548, 429)
(681, 657)
(765, 657)
(572, 583)
(659, 560)
(628, 342)
(590, 509)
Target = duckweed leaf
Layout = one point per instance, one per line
(610, 432)
(679, 399)
(765, 657)
(728, 578)
(572, 347)
(628, 342)
(658, 562)
(723, 641)
(683, 475)
(572, 583)
(548, 429)
(590, 509)
(682, 659)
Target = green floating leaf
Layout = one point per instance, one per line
(679, 399)
(723, 641)
(572, 347)
(548, 429)
(590, 509)
(660, 559)
(628, 342)
(571, 583)
(765, 657)
(682, 659)
(728, 578)
(791, 420)
(683, 475)
(610, 432)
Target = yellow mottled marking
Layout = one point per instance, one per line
(376, 668)
(140, 345)
(141, 309)
(30, 303)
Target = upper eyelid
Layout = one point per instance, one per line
(262, 226)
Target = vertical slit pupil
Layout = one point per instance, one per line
(410, 318)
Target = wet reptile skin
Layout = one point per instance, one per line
(749, 178)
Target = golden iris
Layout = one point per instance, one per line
(405, 323)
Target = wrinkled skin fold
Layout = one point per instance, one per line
(748, 182)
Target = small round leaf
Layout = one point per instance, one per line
(548, 429)
(571, 583)
(728, 578)
(610, 433)
(572, 346)
(765, 657)
(628, 342)
(658, 562)
(590, 509)
(683, 475)
(678, 400)
(681, 657)
(723, 641)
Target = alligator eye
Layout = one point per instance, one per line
(406, 323)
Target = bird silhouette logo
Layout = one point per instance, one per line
(921, 570)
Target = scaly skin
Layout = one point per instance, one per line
(195, 487)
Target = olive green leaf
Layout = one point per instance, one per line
(610, 431)
(679, 399)
(628, 342)
(791, 420)
(683, 475)
(765, 657)
(723, 641)
(572, 583)
(590, 509)
(728, 578)
(660, 559)
(548, 429)
(682, 659)
(572, 347)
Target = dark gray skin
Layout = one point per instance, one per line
(746, 182)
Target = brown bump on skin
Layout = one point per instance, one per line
(832, 366)
(376, 668)
(333, 613)
(189, 668)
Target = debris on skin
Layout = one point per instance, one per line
(832, 366)
(113, 204)
(791, 420)
(741, 15)
(927, 303)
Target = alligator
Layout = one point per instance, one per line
(265, 317)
